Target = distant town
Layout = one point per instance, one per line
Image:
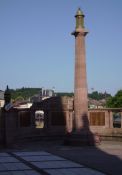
(24, 97)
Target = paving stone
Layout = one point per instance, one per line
(55, 172)
(51, 164)
(41, 153)
(42, 158)
(73, 171)
(8, 159)
(59, 172)
(4, 154)
(5, 173)
(16, 166)
(31, 172)
(56, 164)
(81, 171)
(26, 172)
(2, 167)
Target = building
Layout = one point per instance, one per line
(22, 105)
(96, 104)
(42, 95)
(1, 98)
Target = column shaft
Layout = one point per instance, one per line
(80, 89)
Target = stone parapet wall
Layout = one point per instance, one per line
(58, 120)
(108, 131)
(103, 118)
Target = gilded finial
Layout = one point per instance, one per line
(79, 12)
(79, 19)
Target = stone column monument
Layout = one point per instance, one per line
(80, 86)
(81, 135)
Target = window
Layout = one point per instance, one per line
(117, 120)
(24, 118)
(58, 118)
(39, 119)
(97, 118)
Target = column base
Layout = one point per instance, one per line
(82, 139)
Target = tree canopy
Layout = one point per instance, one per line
(24, 93)
(98, 95)
(115, 101)
(69, 94)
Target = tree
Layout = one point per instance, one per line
(24, 92)
(19, 99)
(99, 95)
(116, 101)
(69, 94)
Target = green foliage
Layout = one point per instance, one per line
(98, 95)
(19, 98)
(69, 94)
(24, 93)
(116, 101)
(94, 95)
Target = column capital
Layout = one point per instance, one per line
(80, 31)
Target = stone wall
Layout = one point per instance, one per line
(19, 124)
(102, 121)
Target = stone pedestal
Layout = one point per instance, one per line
(80, 139)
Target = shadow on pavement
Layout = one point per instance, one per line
(106, 157)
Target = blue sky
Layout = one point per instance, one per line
(37, 48)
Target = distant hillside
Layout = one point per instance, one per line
(24, 93)
(99, 95)
(69, 94)
(94, 95)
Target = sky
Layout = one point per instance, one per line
(37, 48)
